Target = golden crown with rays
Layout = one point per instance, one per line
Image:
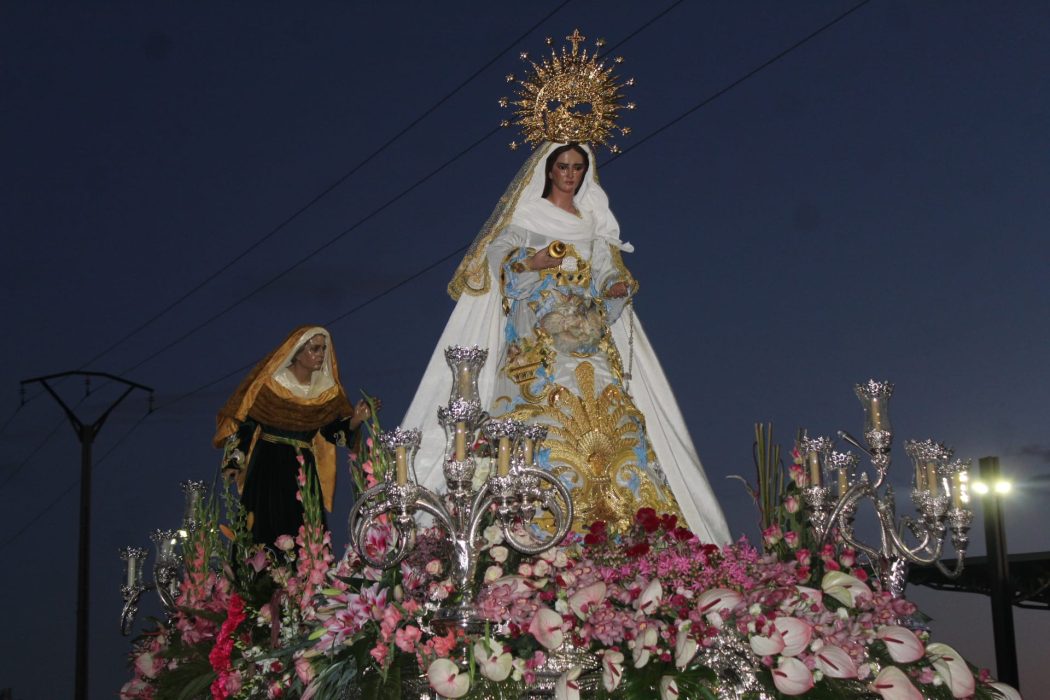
(570, 96)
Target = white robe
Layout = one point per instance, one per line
(478, 319)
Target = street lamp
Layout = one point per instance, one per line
(992, 487)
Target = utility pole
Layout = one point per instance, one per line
(86, 434)
(1002, 590)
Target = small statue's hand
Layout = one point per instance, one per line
(617, 291)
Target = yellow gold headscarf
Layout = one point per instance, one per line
(263, 398)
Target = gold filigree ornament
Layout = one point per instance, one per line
(570, 96)
(592, 443)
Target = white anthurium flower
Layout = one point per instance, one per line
(495, 663)
(684, 645)
(791, 677)
(584, 599)
(446, 680)
(834, 662)
(952, 669)
(612, 669)
(901, 642)
(499, 553)
(770, 645)
(843, 587)
(796, 634)
(715, 602)
(567, 688)
(1008, 692)
(650, 598)
(642, 645)
(893, 684)
(668, 688)
(546, 627)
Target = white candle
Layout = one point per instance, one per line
(931, 478)
(528, 452)
(503, 460)
(463, 385)
(461, 441)
(843, 481)
(957, 491)
(814, 469)
(876, 415)
(133, 571)
(401, 461)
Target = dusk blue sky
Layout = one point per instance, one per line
(871, 205)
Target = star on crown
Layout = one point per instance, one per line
(570, 96)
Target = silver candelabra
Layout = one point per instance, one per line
(167, 565)
(513, 493)
(834, 491)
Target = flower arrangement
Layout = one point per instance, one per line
(654, 611)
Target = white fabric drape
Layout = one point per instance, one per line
(478, 320)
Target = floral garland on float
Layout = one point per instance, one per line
(647, 612)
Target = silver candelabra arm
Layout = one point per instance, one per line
(402, 501)
(555, 499)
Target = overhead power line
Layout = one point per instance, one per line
(434, 264)
(321, 195)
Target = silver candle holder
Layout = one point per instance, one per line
(515, 491)
(167, 564)
(937, 494)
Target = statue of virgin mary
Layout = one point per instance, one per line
(545, 289)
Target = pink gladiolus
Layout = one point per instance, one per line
(902, 643)
(407, 638)
(952, 669)
(546, 627)
(712, 603)
(844, 588)
(792, 677)
(770, 645)
(796, 634)
(668, 688)
(567, 688)
(583, 601)
(834, 662)
(445, 678)
(893, 684)
(612, 669)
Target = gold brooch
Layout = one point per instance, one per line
(571, 96)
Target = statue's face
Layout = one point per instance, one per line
(311, 356)
(567, 172)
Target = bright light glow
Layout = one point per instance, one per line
(1002, 487)
(979, 487)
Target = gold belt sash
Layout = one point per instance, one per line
(280, 440)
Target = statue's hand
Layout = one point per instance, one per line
(542, 260)
(617, 291)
